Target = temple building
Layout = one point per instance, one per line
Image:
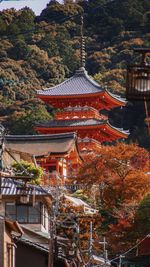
(55, 153)
(80, 102)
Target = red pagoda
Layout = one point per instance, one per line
(80, 101)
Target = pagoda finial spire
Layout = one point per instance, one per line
(82, 45)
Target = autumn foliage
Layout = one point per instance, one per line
(118, 179)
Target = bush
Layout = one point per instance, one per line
(34, 172)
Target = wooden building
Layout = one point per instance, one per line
(55, 153)
(30, 205)
(7, 245)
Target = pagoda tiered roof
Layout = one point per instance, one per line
(79, 84)
(80, 89)
(71, 123)
(98, 129)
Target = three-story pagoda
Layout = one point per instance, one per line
(80, 101)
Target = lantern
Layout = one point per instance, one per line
(138, 78)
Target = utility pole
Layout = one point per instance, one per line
(120, 260)
(90, 243)
(52, 220)
(105, 253)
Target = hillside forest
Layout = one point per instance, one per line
(40, 51)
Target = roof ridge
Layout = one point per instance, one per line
(40, 136)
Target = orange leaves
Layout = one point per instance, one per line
(120, 175)
(122, 168)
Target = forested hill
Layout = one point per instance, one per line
(37, 52)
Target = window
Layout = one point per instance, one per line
(34, 214)
(24, 213)
(44, 217)
(11, 210)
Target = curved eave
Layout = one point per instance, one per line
(114, 98)
(105, 96)
(118, 132)
(124, 134)
(47, 97)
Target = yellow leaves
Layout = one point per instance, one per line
(100, 57)
(114, 79)
(38, 52)
(133, 42)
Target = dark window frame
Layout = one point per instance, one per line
(28, 214)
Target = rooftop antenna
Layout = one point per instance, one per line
(82, 44)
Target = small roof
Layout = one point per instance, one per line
(77, 201)
(79, 84)
(40, 145)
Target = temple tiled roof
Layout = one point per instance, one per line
(39, 145)
(78, 84)
(71, 123)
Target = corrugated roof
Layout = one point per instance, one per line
(10, 187)
(78, 84)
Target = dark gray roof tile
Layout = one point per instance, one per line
(78, 84)
(79, 122)
(71, 123)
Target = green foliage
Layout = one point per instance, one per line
(142, 222)
(56, 12)
(20, 50)
(35, 172)
(24, 122)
